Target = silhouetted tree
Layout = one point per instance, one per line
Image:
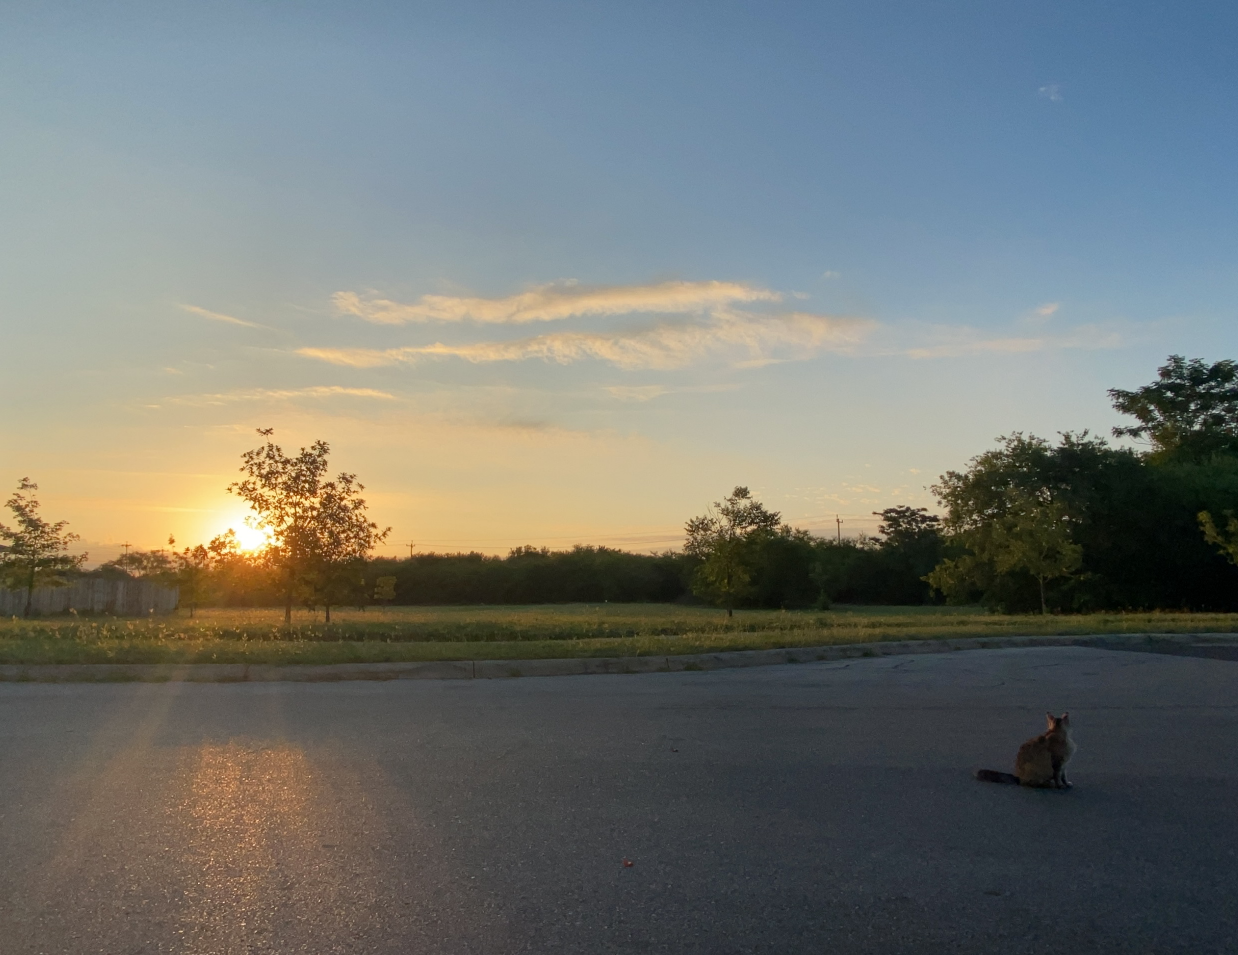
(36, 553)
(1189, 413)
(319, 529)
(191, 570)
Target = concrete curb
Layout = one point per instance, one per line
(580, 666)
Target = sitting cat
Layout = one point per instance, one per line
(1041, 761)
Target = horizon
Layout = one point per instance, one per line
(559, 276)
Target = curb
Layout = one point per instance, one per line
(579, 666)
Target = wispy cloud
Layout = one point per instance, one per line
(962, 340)
(556, 301)
(1051, 92)
(649, 392)
(637, 392)
(281, 394)
(997, 345)
(219, 316)
(1049, 308)
(664, 346)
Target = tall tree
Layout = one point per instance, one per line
(36, 554)
(1189, 413)
(1031, 534)
(905, 526)
(316, 526)
(720, 539)
(342, 539)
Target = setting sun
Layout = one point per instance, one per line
(250, 538)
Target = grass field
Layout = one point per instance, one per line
(505, 633)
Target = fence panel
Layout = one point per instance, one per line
(124, 598)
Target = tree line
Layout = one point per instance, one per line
(1074, 525)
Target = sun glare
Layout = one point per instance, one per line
(250, 539)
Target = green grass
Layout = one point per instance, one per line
(539, 632)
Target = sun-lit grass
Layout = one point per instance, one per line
(578, 630)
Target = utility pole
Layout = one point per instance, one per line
(839, 524)
(126, 546)
(411, 545)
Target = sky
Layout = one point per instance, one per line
(557, 273)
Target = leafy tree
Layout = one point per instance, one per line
(1134, 517)
(907, 526)
(1190, 412)
(1225, 541)
(319, 528)
(721, 539)
(238, 578)
(1032, 535)
(191, 570)
(1035, 537)
(910, 544)
(36, 553)
(781, 564)
(143, 564)
(384, 589)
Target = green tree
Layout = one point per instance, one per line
(319, 529)
(36, 553)
(1032, 535)
(384, 589)
(1189, 413)
(1225, 541)
(721, 539)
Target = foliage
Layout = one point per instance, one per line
(384, 589)
(886, 569)
(191, 573)
(36, 553)
(319, 529)
(1032, 535)
(530, 575)
(1134, 517)
(1225, 541)
(1189, 413)
(143, 564)
(722, 540)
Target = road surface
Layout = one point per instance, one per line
(814, 808)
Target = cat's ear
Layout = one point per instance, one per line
(1051, 718)
(1066, 718)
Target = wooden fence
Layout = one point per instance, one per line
(124, 598)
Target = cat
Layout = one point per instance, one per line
(1041, 761)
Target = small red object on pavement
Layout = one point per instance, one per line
(627, 863)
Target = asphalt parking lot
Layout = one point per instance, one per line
(818, 807)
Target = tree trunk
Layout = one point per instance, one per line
(288, 608)
(1044, 611)
(327, 608)
(29, 591)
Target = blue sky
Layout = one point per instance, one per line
(855, 243)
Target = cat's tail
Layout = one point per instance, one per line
(993, 776)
